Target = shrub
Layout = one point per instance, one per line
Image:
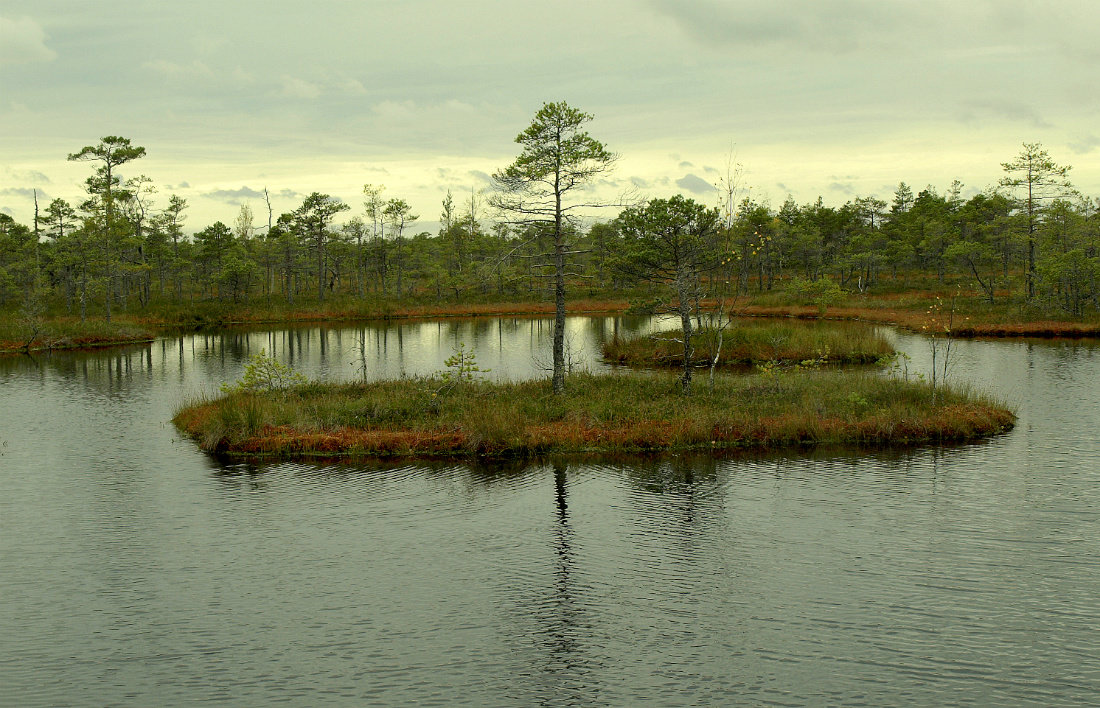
(263, 373)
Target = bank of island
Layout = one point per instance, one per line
(455, 415)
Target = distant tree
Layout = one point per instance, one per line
(16, 259)
(284, 242)
(140, 244)
(374, 208)
(214, 244)
(1036, 178)
(869, 244)
(353, 234)
(983, 223)
(112, 151)
(398, 214)
(669, 241)
(558, 159)
(314, 219)
(1069, 262)
(170, 223)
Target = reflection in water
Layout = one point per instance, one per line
(560, 616)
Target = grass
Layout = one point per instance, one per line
(18, 335)
(421, 417)
(59, 331)
(749, 342)
(894, 302)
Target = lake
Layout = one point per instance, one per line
(136, 570)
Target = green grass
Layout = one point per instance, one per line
(68, 333)
(748, 342)
(599, 413)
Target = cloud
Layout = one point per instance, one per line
(842, 187)
(831, 26)
(481, 176)
(694, 184)
(28, 176)
(234, 196)
(293, 87)
(352, 86)
(397, 110)
(1085, 145)
(1007, 109)
(22, 41)
(639, 182)
(172, 70)
(457, 106)
(25, 192)
(685, 165)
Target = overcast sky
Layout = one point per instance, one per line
(837, 98)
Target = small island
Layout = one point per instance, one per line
(457, 417)
(753, 343)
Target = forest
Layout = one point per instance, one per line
(120, 247)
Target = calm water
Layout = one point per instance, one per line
(136, 571)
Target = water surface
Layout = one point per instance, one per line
(135, 570)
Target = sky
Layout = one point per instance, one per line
(830, 98)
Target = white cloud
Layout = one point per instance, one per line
(294, 87)
(352, 86)
(22, 41)
(395, 110)
(172, 70)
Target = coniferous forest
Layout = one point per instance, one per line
(1030, 242)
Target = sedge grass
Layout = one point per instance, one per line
(422, 417)
(68, 333)
(754, 342)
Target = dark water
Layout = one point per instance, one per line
(136, 571)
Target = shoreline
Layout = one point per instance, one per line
(881, 310)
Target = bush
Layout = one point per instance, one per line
(821, 292)
(263, 373)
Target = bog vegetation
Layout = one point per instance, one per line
(754, 343)
(1024, 250)
(461, 417)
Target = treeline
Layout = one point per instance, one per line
(1031, 238)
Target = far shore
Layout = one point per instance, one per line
(907, 311)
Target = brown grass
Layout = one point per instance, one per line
(609, 413)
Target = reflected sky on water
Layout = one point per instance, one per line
(137, 570)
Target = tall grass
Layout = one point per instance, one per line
(419, 417)
(751, 342)
(68, 333)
